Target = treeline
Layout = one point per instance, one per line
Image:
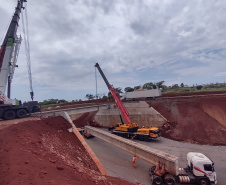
(150, 85)
(211, 86)
(165, 89)
(56, 101)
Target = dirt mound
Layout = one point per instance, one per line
(44, 152)
(198, 120)
(86, 119)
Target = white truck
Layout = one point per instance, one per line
(8, 57)
(142, 94)
(199, 170)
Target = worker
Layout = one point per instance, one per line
(134, 161)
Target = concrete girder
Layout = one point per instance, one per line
(76, 110)
(146, 153)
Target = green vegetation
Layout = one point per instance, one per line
(179, 88)
(54, 102)
(195, 88)
(176, 88)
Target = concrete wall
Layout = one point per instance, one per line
(140, 113)
(75, 116)
(74, 111)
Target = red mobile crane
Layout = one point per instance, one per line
(128, 129)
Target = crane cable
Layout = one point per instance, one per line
(27, 49)
(96, 81)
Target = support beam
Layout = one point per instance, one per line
(75, 110)
(146, 153)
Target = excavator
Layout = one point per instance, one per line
(9, 108)
(128, 129)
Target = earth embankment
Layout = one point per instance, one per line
(42, 151)
(198, 119)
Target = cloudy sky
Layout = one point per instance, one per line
(134, 41)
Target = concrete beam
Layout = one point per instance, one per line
(148, 154)
(76, 110)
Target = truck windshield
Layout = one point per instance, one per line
(208, 167)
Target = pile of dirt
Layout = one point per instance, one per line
(86, 119)
(44, 152)
(199, 120)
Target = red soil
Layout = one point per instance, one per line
(196, 120)
(86, 119)
(44, 152)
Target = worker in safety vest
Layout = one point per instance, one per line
(134, 161)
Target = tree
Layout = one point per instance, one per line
(137, 87)
(149, 85)
(160, 84)
(49, 101)
(118, 90)
(62, 101)
(89, 96)
(199, 87)
(182, 85)
(129, 89)
(175, 86)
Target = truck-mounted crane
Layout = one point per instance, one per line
(8, 57)
(128, 129)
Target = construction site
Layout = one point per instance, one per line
(41, 150)
(143, 137)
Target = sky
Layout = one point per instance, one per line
(134, 42)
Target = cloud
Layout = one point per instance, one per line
(134, 42)
(221, 74)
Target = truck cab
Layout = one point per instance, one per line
(201, 166)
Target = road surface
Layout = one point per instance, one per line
(118, 163)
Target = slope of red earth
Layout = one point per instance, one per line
(87, 118)
(42, 151)
(198, 119)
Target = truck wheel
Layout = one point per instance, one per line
(21, 113)
(203, 181)
(9, 114)
(157, 180)
(146, 138)
(169, 179)
(140, 137)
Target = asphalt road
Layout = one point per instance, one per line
(119, 163)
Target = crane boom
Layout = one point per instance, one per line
(115, 95)
(130, 130)
(8, 48)
(8, 58)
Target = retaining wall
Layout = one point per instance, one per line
(140, 113)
